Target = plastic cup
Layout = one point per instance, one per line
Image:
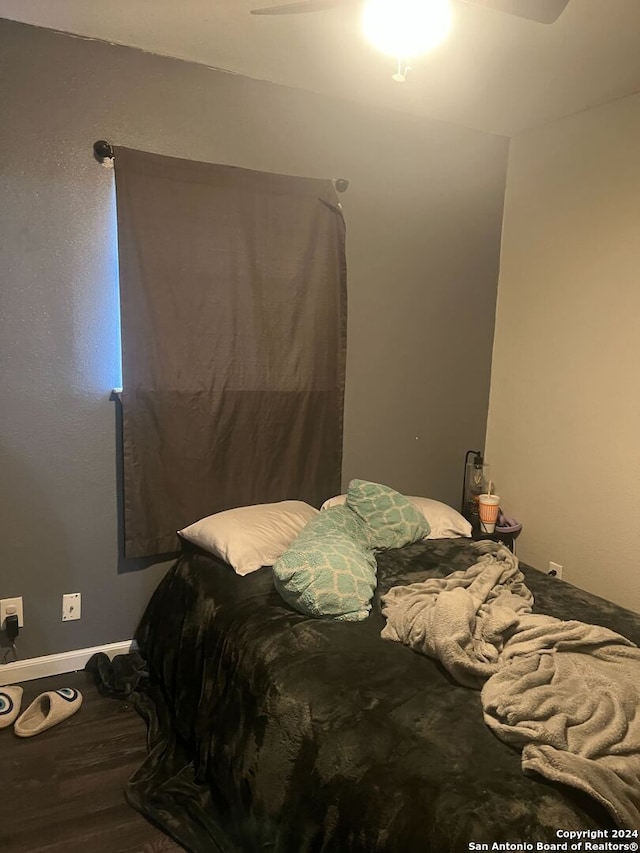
(488, 507)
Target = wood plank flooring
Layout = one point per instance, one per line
(62, 790)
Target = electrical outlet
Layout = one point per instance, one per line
(5, 610)
(71, 606)
(555, 570)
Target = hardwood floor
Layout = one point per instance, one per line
(63, 789)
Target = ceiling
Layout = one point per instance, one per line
(495, 73)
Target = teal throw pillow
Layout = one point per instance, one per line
(329, 569)
(392, 520)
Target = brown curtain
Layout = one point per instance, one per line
(233, 304)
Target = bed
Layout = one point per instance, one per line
(273, 731)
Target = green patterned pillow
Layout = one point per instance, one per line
(329, 569)
(392, 520)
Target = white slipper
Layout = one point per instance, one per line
(48, 710)
(10, 699)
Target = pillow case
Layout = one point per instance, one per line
(392, 520)
(444, 520)
(329, 569)
(250, 537)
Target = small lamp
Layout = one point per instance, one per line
(474, 483)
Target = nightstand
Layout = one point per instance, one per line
(507, 539)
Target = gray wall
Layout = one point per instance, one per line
(423, 215)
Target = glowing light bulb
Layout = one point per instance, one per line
(406, 28)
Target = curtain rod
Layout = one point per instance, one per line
(103, 150)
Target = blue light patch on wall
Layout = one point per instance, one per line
(93, 280)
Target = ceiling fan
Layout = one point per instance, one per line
(543, 11)
(408, 28)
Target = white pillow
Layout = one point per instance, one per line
(250, 536)
(445, 522)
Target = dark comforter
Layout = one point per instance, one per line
(273, 731)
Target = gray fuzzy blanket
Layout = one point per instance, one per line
(566, 693)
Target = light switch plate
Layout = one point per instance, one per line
(71, 606)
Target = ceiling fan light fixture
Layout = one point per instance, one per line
(406, 28)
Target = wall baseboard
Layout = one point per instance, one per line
(27, 670)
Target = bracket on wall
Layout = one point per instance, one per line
(103, 152)
(341, 184)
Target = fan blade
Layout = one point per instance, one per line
(543, 11)
(308, 6)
